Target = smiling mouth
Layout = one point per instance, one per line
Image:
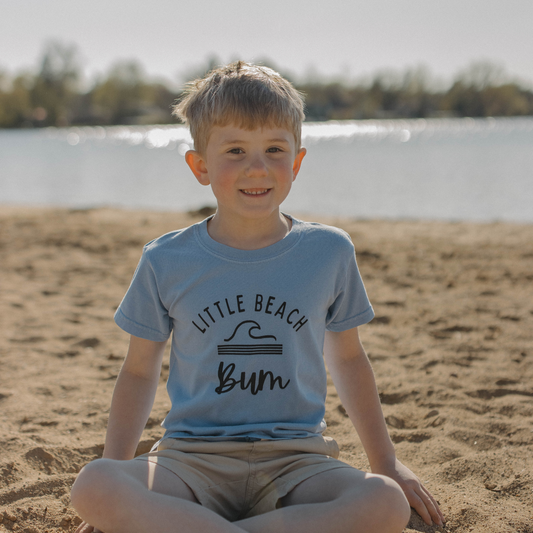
(254, 192)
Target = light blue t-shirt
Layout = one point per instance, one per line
(247, 327)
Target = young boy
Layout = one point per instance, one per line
(253, 299)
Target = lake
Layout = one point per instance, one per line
(439, 169)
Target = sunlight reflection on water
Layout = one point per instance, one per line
(172, 136)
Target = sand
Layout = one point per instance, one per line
(451, 346)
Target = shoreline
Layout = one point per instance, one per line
(202, 211)
(451, 346)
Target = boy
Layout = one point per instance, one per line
(253, 298)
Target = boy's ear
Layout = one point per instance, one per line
(197, 164)
(298, 162)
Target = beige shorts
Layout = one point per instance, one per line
(242, 479)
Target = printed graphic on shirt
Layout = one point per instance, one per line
(259, 304)
(256, 381)
(249, 339)
(250, 349)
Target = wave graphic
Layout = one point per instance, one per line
(254, 326)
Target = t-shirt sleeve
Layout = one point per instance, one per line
(351, 307)
(141, 312)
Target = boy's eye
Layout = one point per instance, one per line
(274, 149)
(236, 151)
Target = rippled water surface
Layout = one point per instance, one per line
(454, 169)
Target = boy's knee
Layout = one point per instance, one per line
(393, 505)
(89, 483)
(386, 508)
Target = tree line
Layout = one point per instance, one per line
(53, 96)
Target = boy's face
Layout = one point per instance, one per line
(250, 171)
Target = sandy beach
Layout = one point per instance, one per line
(451, 346)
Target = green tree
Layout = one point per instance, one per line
(482, 90)
(505, 100)
(56, 85)
(119, 98)
(15, 101)
(482, 74)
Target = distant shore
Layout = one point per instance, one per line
(451, 346)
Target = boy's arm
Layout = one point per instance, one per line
(133, 397)
(354, 379)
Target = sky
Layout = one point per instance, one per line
(336, 39)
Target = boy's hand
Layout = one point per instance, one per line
(419, 498)
(84, 527)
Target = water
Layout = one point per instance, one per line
(446, 169)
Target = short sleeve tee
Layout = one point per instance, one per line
(247, 327)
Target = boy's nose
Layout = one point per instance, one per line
(257, 168)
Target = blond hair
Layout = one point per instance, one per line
(247, 96)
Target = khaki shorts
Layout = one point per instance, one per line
(243, 479)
